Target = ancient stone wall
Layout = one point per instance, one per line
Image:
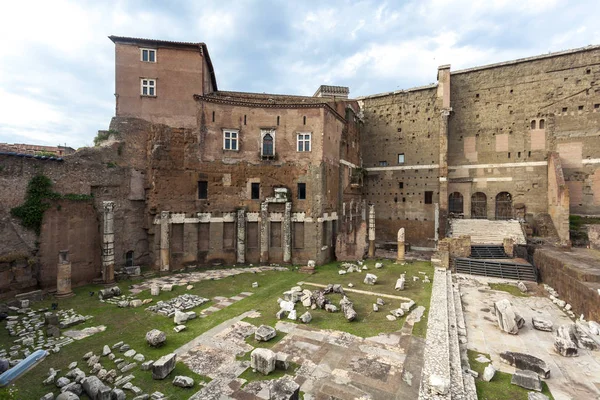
(108, 173)
(73, 226)
(576, 284)
(400, 150)
(505, 120)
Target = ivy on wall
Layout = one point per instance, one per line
(39, 191)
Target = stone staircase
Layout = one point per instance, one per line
(483, 231)
(445, 356)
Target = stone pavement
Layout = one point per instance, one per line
(333, 364)
(570, 378)
(185, 278)
(222, 302)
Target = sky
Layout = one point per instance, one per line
(57, 63)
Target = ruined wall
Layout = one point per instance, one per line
(405, 123)
(73, 226)
(576, 284)
(109, 173)
(179, 74)
(206, 230)
(507, 117)
(558, 197)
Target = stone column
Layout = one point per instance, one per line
(241, 236)
(63, 276)
(400, 257)
(264, 232)
(108, 243)
(371, 230)
(165, 247)
(287, 233)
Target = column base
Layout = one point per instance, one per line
(64, 295)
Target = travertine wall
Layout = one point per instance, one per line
(406, 122)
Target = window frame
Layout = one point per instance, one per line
(303, 191)
(149, 50)
(148, 86)
(231, 139)
(205, 191)
(403, 158)
(263, 133)
(428, 197)
(252, 186)
(302, 138)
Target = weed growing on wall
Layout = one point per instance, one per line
(39, 191)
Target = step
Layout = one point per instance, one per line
(436, 354)
(468, 379)
(488, 252)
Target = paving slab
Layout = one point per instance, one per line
(570, 377)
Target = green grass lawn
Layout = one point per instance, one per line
(131, 324)
(499, 388)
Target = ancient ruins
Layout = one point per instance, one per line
(220, 244)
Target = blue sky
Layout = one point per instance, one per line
(57, 64)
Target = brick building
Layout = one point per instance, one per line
(201, 176)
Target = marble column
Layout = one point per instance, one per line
(400, 257)
(165, 241)
(241, 236)
(63, 276)
(264, 232)
(108, 243)
(371, 230)
(287, 233)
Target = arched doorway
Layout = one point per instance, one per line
(478, 205)
(504, 206)
(455, 204)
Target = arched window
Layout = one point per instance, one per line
(533, 124)
(455, 203)
(478, 205)
(542, 123)
(504, 206)
(268, 144)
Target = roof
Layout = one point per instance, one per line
(167, 43)
(268, 101)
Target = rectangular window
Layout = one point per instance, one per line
(255, 191)
(401, 158)
(148, 87)
(230, 140)
(148, 55)
(304, 142)
(383, 163)
(401, 185)
(428, 197)
(302, 191)
(203, 189)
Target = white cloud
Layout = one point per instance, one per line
(57, 65)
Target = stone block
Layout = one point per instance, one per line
(488, 373)
(183, 381)
(526, 362)
(263, 360)
(370, 279)
(284, 389)
(163, 366)
(264, 333)
(527, 379)
(541, 324)
(94, 388)
(156, 338)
